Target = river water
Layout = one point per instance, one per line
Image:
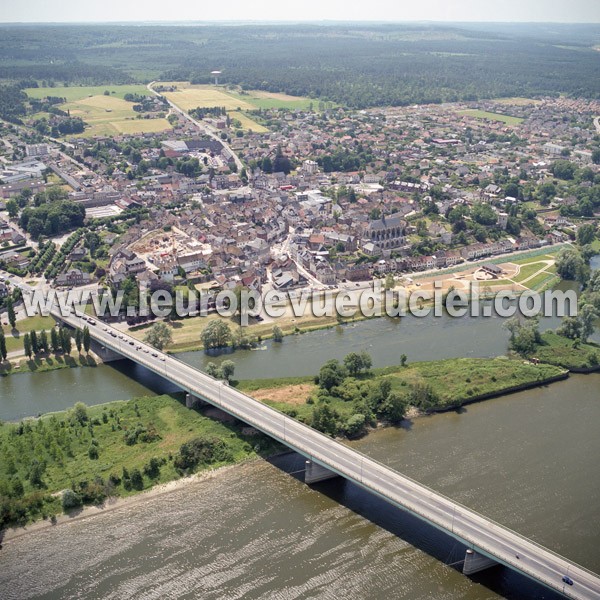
(528, 460)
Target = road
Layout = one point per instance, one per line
(203, 127)
(476, 531)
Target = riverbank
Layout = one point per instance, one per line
(112, 503)
(116, 449)
(49, 362)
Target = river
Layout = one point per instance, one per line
(528, 460)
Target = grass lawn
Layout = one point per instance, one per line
(490, 116)
(528, 259)
(74, 93)
(557, 350)
(36, 323)
(528, 270)
(190, 96)
(260, 99)
(542, 281)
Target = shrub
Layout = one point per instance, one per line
(70, 499)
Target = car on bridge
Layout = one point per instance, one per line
(566, 579)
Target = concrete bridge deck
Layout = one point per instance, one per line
(485, 537)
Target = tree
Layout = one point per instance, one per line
(325, 419)
(10, 309)
(277, 334)
(227, 369)
(43, 341)
(393, 407)
(137, 481)
(217, 334)
(570, 265)
(78, 339)
(27, 345)
(587, 316)
(586, 234)
(86, 339)
(596, 156)
(54, 340)
(355, 362)
(159, 336)
(570, 328)
(3, 353)
(563, 169)
(79, 413)
(70, 499)
(213, 371)
(35, 347)
(65, 340)
(403, 359)
(12, 208)
(332, 373)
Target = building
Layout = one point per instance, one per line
(72, 278)
(386, 233)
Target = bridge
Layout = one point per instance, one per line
(488, 543)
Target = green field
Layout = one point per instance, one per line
(528, 270)
(74, 93)
(490, 116)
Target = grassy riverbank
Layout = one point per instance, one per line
(567, 353)
(426, 386)
(115, 449)
(49, 362)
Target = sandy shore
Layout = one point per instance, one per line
(114, 502)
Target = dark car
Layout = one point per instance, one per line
(567, 580)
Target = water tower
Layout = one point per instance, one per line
(216, 74)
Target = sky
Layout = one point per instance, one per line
(569, 11)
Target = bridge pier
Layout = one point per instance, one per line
(192, 401)
(314, 472)
(106, 354)
(475, 562)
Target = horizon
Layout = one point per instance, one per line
(329, 22)
(429, 11)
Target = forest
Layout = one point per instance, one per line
(357, 65)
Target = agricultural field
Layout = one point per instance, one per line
(490, 116)
(247, 123)
(105, 115)
(74, 93)
(189, 96)
(517, 101)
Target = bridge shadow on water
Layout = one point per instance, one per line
(500, 580)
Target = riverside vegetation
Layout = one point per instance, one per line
(64, 460)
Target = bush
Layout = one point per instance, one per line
(71, 499)
(201, 451)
